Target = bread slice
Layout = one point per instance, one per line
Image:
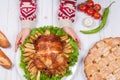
(4, 41)
(4, 60)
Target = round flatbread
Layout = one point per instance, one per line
(103, 60)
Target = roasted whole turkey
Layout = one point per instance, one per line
(47, 53)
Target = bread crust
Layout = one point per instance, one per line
(4, 41)
(4, 60)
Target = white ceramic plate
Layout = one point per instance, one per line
(21, 72)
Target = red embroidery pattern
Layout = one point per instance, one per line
(28, 10)
(67, 9)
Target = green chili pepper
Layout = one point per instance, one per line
(103, 23)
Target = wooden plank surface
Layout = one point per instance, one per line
(47, 15)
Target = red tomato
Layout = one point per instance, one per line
(90, 3)
(97, 7)
(82, 7)
(97, 15)
(90, 11)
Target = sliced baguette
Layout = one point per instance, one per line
(4, 60)
(4, 41)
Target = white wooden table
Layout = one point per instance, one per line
(47, 15)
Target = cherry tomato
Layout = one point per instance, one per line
(97, 15)
(97, 7)
(90, 3)
(90, 11)
(82, 7)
